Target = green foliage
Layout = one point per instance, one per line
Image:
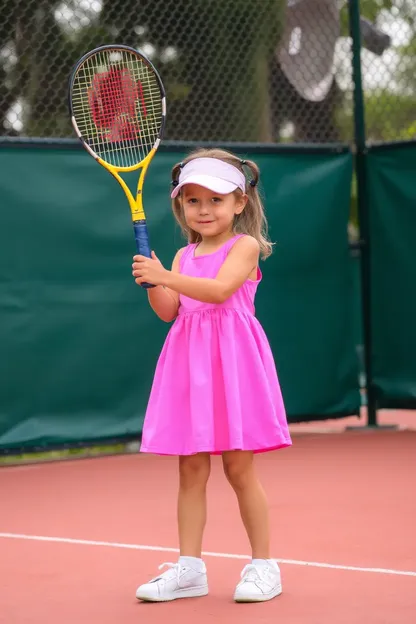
(389, 117)
(206, 34)
(218, 80)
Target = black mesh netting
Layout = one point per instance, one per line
(234, 70)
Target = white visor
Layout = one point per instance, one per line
(213, 174)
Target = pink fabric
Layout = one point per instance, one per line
(215, 387)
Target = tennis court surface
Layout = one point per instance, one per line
(76, 538)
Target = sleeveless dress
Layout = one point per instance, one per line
(215, 387)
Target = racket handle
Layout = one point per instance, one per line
(142, 243)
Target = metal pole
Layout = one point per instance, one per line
(362, 206)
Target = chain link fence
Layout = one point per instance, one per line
(269, 71)
(389, 69)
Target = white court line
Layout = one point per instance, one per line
(311, 564)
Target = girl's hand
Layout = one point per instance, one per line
(149, 270)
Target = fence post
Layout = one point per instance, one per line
(362, 206)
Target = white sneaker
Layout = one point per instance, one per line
(178, 581)
(259, 583)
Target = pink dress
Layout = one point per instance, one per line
(215, 387)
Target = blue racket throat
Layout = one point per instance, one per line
(142, 244)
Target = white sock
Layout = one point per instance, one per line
(264, 562)
(193, 562)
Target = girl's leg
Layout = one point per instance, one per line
(194, 472)
(260, 580)
(187, 578)
(239, 470)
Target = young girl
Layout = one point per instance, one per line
(215, 389)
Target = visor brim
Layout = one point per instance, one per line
(216, 185)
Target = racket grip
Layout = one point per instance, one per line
(142, 243)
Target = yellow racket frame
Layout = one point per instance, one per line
(135, 203)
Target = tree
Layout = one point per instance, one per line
(217, 83)
(217, 59)
(389, 82)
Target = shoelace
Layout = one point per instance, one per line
(172, 566)
(254, 572)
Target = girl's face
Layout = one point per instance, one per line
(210, 214)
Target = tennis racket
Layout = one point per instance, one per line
(117, 105)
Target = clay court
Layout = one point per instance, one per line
(77, 537)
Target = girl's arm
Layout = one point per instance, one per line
(240, 262)
(164, 301)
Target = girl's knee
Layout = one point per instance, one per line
(238, 468)
(194, 470)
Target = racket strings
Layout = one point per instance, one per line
(112, 99)
(117, 105)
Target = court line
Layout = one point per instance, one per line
(311, 564)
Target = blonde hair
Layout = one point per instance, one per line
(251, 221)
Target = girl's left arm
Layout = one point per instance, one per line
(240, 262)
